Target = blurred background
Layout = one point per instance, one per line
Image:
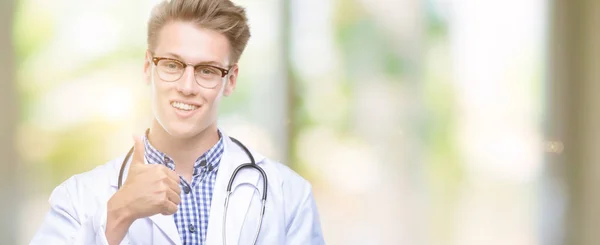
(426, 122)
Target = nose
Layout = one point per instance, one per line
(187, 83)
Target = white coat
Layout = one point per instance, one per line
(78, 208)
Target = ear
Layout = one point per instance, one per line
(148, 67)
(231, 80)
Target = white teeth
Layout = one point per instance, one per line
(182, 106)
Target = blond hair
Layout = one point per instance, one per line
(219, 15)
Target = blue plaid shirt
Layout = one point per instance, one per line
(192, 215)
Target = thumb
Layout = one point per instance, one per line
(138, 150)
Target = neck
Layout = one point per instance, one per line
(184, 151)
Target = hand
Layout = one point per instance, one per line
(148, 190)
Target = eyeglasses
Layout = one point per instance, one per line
(171, 70)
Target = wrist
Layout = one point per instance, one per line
(120, 217)
(118, 221)
(118, 212)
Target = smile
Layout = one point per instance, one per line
(183, 106)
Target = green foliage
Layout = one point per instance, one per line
(33, 28)
(367, 49)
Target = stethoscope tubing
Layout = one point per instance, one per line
(251, 164)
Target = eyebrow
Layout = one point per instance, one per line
(215, 63)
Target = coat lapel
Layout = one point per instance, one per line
(166, 224)
(244, 188)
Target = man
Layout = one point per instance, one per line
(172, 189)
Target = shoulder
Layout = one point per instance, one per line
(92, 185)
(98, 176)
(300, 212)
(295, 190)
(285, 176)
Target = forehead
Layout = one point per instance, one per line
(192, 43)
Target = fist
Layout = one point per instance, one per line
(149, 188)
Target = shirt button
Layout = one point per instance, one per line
(186, 189)
(192, 229)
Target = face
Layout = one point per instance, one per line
(183, 107)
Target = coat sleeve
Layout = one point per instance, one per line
(67, 222)
(304, 226)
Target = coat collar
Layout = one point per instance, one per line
(228, 144)
(245, 185)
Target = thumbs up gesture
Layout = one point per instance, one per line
(149, 188)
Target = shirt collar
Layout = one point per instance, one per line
(210, 159)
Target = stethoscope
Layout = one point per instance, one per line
(251, 164)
